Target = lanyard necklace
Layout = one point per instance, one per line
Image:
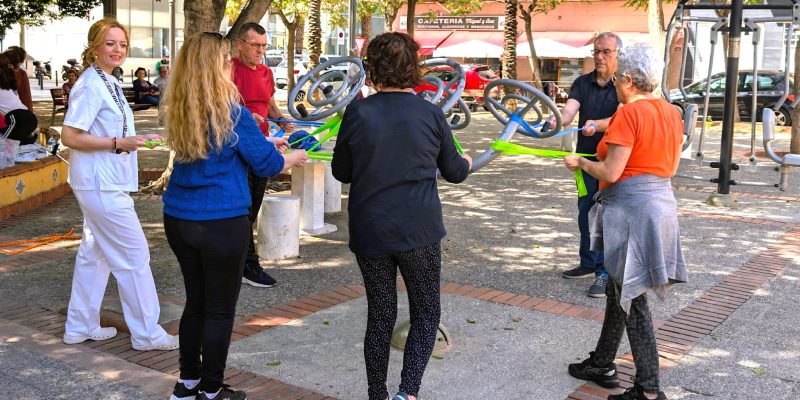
(114, 95)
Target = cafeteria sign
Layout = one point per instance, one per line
(471, 22)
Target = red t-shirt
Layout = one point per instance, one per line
(653, 130)
(256, 86)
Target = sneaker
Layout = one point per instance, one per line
(603, 376)
(578, 273)
(99, 334)
(168, 342)
(181, 392)
(598, 288)
(400, 396)
(635, 392)
(254, 275)
(224, 393)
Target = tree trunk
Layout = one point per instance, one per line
(510, 41)
(389, 18)
(410, 15)
(203, 15)
(794, 147)
(533, 60)
(314, 33)
(366, 26)
(300, 32)
(252, 12)
(654, 25)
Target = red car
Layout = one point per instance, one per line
(477, 76)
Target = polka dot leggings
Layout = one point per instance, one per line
(420, 269)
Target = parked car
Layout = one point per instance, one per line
(477, 77)
(282, 77)
(771, 85)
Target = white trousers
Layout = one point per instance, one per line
(113, 242)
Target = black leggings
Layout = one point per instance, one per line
(420, 269)
(211, 255)
(257, 186)
(639, 325)
(20, 125)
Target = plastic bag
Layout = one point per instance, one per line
(9, 148)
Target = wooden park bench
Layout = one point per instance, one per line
(59, 105)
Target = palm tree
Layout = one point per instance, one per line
(510, 41)
(314, 33)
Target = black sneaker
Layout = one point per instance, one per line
(224, 394)
(181, 392)
(254, 275)
(598, 288)
(635, 392)
(578, 273)
(603, 376)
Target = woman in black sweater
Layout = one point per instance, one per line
(389, 148)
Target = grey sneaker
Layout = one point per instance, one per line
(578, 273)
(598, 288)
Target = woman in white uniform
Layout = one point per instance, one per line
(98, 129)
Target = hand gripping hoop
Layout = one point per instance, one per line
(333, 96)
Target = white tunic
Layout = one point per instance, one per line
(93, 110)
(9, 101)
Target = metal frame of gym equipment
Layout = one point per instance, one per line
(733, 25)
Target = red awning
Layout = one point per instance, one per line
(430, 40)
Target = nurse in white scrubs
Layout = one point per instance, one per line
(98, 129)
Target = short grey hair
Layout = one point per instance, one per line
(613, 35)
(643, 64)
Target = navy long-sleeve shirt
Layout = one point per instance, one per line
(389, 148)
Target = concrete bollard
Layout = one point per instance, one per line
(279, 227)
(333, 191)
(308, 183)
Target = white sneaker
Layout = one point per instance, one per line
(168, 342)
(99, 334)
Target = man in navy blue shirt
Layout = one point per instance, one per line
(592, 94)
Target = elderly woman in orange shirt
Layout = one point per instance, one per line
(635, 220)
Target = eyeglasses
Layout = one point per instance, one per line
(255, 45)
(605, 52)
(215, 35)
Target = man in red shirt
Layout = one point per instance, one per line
(257, 87)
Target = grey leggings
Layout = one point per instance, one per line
(639, 325)
(420, 269)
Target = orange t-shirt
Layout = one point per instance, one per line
(653, 129)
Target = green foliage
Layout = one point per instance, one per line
(335, 9)
(38, 12)
(461, 7)
(233, 8)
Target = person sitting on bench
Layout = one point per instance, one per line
(146, 92)
(20, 122)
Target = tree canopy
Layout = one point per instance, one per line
(37, 12)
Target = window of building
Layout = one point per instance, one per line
(141, 45)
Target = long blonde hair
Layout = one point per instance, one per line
(199, 97)
(96, 37)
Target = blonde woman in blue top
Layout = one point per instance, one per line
(207, 203)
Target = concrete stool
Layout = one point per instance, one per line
(333, 191)
(279, 227)
(308, 183)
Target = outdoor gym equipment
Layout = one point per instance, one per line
(734, 24)
(330, 92)
(527, 99)
(447, 94)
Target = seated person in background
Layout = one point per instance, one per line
(146, 92)
(16, 56)
(162, 79)
(20, 123)
(72, 76)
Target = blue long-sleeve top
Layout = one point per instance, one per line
(216, 187)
